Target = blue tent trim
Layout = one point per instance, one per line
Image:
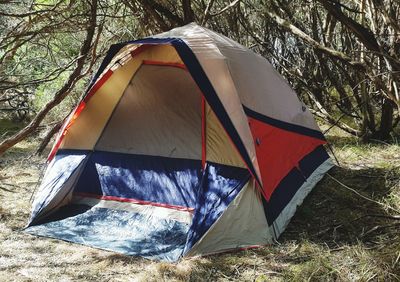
(202, 81)
(289, 185)
(284, 125)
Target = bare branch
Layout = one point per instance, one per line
(231, 5)
(74, 77)
(207, 12)
(331, 52)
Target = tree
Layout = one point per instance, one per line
(349, 68)
(342, 57)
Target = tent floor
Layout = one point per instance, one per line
(121, 231)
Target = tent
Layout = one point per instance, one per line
(186, 143)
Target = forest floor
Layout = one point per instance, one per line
(348, 229)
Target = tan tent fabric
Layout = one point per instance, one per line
(214, 63)
(259, 85)
(221, 80)
(263, 90)
(256, 82)
(154, 211)
(91, 121)
(242, 224)
(219, 147)
(164, 53)
(99, 108)
(159, 115)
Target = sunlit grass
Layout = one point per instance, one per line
(334, 236)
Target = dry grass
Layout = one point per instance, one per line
(335, 236)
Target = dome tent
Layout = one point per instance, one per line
(186, 143)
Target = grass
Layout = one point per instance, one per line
(7, 127)
(336, 235)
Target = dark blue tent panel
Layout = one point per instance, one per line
(219, 186)
(145, 181)
(160, 180)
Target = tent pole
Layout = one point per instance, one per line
(203, 132)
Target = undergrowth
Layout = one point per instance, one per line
(348, 229)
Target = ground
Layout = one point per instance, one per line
(348, 229)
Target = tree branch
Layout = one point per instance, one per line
(331, 52)
(74, 77)
(207, 12)
(188, 14)
(48, 137)
(233, 4)
(362, 33)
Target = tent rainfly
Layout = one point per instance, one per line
(185, 144)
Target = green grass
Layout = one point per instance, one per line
(336, 235)
(8, 127)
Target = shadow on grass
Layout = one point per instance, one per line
(336, 216)
(331, 219)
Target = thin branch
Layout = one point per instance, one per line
(74, 77)
(331, 52)
(28, 14)
(188, 14)
(49, 77)
(48, 137)
(361, 195)
(207, 12)
(231, 5)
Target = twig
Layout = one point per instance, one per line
(397, 260)
(394, 217)
(207, 12)
(331, 52)
(48, 137)
(6, 189)
(333, 153)
(64, 91)
(226, 8)
(378, 227)
(361, 195)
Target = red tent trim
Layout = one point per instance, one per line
(134, 201)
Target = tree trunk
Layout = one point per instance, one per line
(48, 137)
(386, 124)
(64, 91)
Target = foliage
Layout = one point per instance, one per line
(40, 47)
(342, 57)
